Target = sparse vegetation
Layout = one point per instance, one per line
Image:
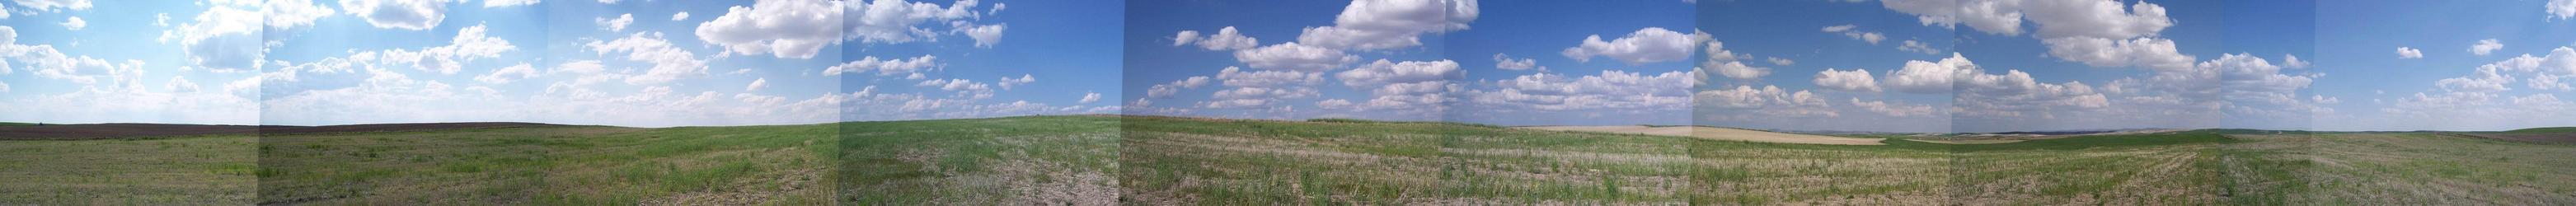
(1104, 160)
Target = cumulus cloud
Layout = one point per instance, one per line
(1780, 61)
(1737, 70)
(1919, 47)
(1611, 89)
(756, 84)
(2409, 53)
(54, 5)
(669, 63)
(288, 14)
(1237, 77)
(507, 3)
(679, 16)
(1649, 45)
(75, 24)
(2151, 53)
(984, 35)
(1168, 89)
(180, 84)
(1402, 78)
(1089, 98)
(1389, 24)
(1930, 77)
(1893, 109)
(2561, 9)
(1506, 62)
(399, 14)
(507, 74)
(2485, 46)
(2484, 80)
(1767, 101)
(2293, 62)
(1007, 82)
(1857, 80)
(1854, 32)
(2002, 17)
(782, 28)
(1224, 39)
(885, 67)
(1294, 56)
(617, 24)
(897, 21)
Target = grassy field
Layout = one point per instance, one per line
(1047, 160)
(568, 165)
(1105, 160)
(214, 170)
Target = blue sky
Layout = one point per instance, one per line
(628, 63)
(1930, 66)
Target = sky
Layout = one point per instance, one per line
(625, 63)
(1821, 65)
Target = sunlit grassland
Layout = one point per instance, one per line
(1040, 160)
(577, 165)
(213, 170)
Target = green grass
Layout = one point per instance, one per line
(172, 171)
(1049, 160)
(2543, 130)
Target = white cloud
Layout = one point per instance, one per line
(783, 28)
(617, 24)
(1089, 98)
(180, 84)
(1390, 24)
(1894, 109)
(669, 63)
(1224, 39)
(756, 84)
(4, 87)
(1780, 61)
(984, 35)
(2409, 53)
(1737, 70)
(2561, 9)
(2151, 53)
(1611, 89)
(1649, 45)
(1857, 80)
(1766, 98)
(886, 67)
(288, 14)
(1930, 77)
(1852, 31)
(399, 14)
(1294, 56)
(1405, 78)
(75, 24)
(1915, 46)
(1506, 62)
(54, 5)
(2548, 82)
(2485, 46)
(680, 16)
(896, 21)
(2484, 80)
(1236, 77)
(2002, 17)
(222, 37)
(1168, 89)
(2293, 62)
(1007, 82)
(507, 74)
(2098, 19)
(507, 3)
